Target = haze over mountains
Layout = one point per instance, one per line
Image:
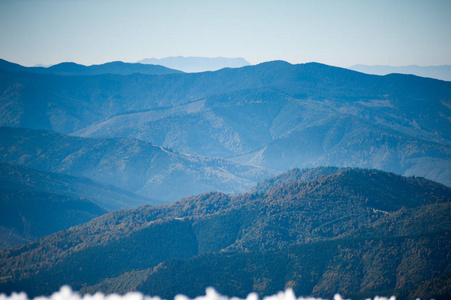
(158, 174)
(109, 197)
(274, 115)
(197, 64)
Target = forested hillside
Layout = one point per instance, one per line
(379, 231)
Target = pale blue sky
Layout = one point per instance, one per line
(341, 33)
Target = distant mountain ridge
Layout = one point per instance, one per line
(442, 72)
(36, 203)
(74, 69)
(274, 115)
(197, 64)
(26, 215)
(108, 197)
(158, 174)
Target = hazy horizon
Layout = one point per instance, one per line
(341, 33)
(132, 62)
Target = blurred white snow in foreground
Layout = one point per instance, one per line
(66, 293)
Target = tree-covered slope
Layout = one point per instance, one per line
(355, 268)
(367, 210)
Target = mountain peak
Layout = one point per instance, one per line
(68, 67)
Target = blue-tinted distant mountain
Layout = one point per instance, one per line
(438, 72)
(9, 66)
(116, 67)
(197, 64)
(36, 203)
(275, 115)
(106, 196)
(137, 166)
(73, 69)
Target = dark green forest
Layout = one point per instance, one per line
(354, 231)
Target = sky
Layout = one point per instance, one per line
(334, 32)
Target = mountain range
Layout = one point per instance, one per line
(159, 175)
(108, 197)
(73, 69)
(442, 72)
(274, 115)
(322, 231)
(122, 177)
